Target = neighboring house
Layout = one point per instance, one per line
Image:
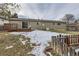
(73, 26)
(37, 24)
(23, 23)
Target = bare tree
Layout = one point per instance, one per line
(6, 9)
(68, 18)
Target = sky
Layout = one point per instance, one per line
(48, 11)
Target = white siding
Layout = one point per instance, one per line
(19, 23)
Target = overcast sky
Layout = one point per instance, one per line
(48, 11)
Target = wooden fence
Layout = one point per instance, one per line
(64, 43)
(70, 40)
(9, 27)
(13, 27)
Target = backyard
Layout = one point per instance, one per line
(28, 43)
(25, 43)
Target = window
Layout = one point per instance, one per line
(24, 25)
(37, 23)
(58, 23)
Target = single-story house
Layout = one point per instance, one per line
(22, 23)
(37, 24)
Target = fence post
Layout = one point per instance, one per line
(53, 42)
(78, 38)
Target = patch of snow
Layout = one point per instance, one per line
(29, 53)
(49, 53)
(8, 47)
(77, 50)
(23, 42)
(17, 33)
(39, 37)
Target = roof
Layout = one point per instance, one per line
(33, 20)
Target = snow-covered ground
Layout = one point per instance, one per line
(38, 37)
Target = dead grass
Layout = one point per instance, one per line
(18, 48)
(66, 32)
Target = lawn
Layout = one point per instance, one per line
(10, 45)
